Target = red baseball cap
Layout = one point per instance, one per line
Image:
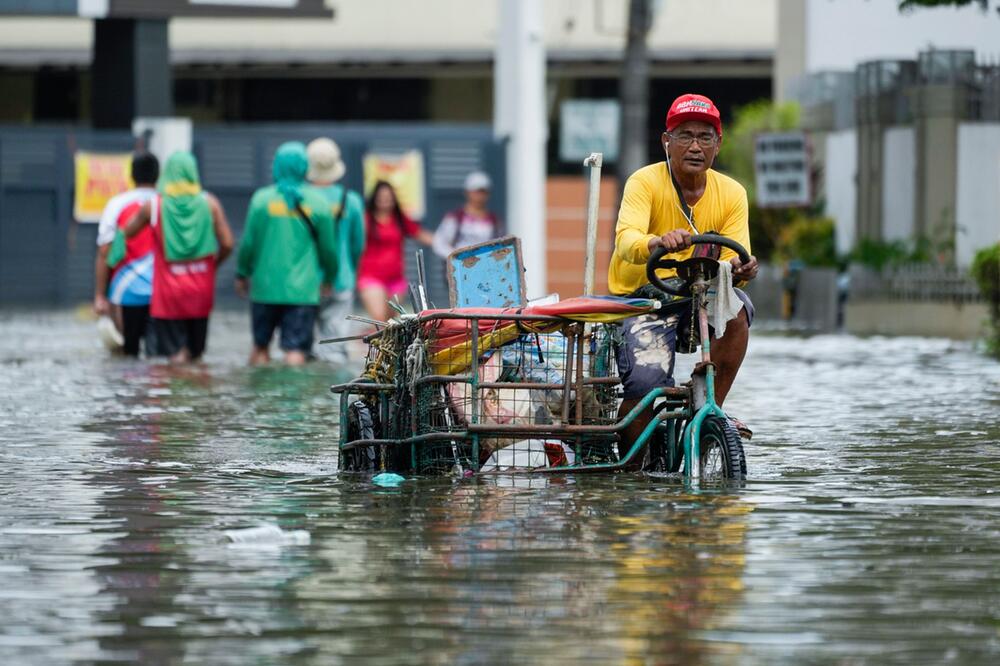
(694, 107)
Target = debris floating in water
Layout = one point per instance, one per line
(266, 536)
(387, 480)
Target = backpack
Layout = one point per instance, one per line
(459, 215)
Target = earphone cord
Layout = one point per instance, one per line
(689, 218)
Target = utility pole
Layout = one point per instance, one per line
(634, 93)
(519, 118)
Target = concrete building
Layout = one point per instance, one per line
(245, 77)
(377, 61)
(905, 122)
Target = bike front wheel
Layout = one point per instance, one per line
(721, 450)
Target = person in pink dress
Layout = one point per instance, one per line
(381, 271)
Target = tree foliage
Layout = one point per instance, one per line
(737, 160)
(748, 121)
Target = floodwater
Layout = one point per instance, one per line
(168, 516)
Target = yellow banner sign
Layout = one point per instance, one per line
(405, 173)
(99, 176)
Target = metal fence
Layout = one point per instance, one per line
(885, 88)
(984, 98)
(46, 258)
(915, 282)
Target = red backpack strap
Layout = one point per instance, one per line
(459, 215)
(498, 229)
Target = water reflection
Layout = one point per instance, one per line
(491, 572)
(168, 516)
(172, 568)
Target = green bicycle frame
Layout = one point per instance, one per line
(692, 433)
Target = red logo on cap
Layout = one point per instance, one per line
(693, 107)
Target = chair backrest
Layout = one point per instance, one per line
(489, 274)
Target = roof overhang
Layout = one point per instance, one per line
(158, 9)
(247, 57)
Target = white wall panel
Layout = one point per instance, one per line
(899, 178)
(840, 185)
(977, 209)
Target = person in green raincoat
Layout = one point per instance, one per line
(287, 257)
(191, 237)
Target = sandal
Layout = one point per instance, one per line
(745, 432)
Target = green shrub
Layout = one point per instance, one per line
(986, 272)
(810, 240)
(884, 254)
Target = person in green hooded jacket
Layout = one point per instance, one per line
(191, 236)
(287, 257)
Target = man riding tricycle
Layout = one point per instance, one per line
(585, 384)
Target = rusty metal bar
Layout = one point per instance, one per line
(426, 437)
(588, 381)
(474, 391)
(568, 373)
(578, 390)
(369, 386)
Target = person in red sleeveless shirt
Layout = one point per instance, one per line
(123, 271)
(380, 273)
(191, 236)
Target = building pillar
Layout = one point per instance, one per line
(937, 111)
(519, 117)
(131, 72)
(880, 86)
(869, 202)
(790, 49)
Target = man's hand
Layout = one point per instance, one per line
(325, 290)
(101, 305)
(673, 241)
(744, 272)
(241, 284)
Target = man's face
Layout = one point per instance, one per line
(477, 198)
(691, 147)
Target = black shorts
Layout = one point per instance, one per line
(172, 335)
(295, 321)
(135, 327)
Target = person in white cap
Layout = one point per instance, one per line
(472, 223)
(326, 168)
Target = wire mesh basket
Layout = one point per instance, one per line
(487, 392)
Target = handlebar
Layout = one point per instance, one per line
(657, 262)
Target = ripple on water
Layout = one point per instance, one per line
(158, 515)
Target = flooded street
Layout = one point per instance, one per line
(170, 516)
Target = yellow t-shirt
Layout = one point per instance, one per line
(650, 208)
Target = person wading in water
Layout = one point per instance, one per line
(191, 237)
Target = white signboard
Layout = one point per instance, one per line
(588, 126)
(781, 167)
(248, 3)
(163, 136)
